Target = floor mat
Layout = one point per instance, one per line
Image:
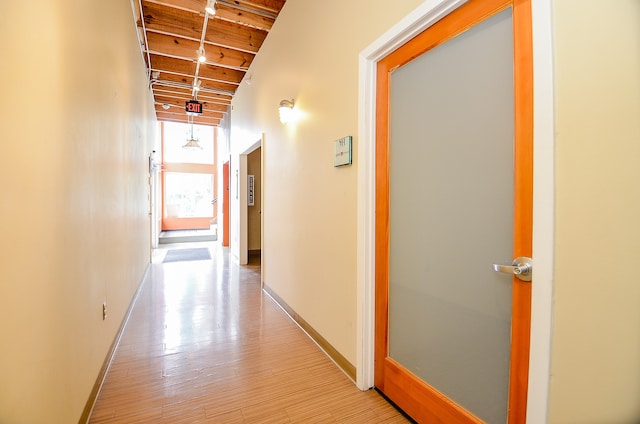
(182, 255)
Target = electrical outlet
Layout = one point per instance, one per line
(104, 310)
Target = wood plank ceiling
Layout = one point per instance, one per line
(171, 32)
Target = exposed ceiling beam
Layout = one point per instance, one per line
(171, 32)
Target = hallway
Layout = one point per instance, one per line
(204, 344)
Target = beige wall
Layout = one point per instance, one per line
(75, 128)
(595, 375)
(309, 212)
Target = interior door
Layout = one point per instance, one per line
(454, 197)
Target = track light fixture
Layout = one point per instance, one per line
(211, 7)
(201, 55)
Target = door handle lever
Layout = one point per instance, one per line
(513, 269)
(521, 267)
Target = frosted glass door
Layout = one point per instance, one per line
(451, 216)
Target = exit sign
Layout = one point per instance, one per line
(193, 107)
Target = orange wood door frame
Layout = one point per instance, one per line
(420, 400)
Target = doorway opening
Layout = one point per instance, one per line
(254, 207)
(189, 183)
(247, 188)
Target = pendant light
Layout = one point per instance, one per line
(192, 142)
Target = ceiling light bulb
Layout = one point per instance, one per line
(166, 106)
(201, 57)
(211, 7)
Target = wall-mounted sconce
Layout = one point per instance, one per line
(286, 110)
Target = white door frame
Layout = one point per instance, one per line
(243, 242)
(421, 18)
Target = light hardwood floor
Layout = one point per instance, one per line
(204, 344)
